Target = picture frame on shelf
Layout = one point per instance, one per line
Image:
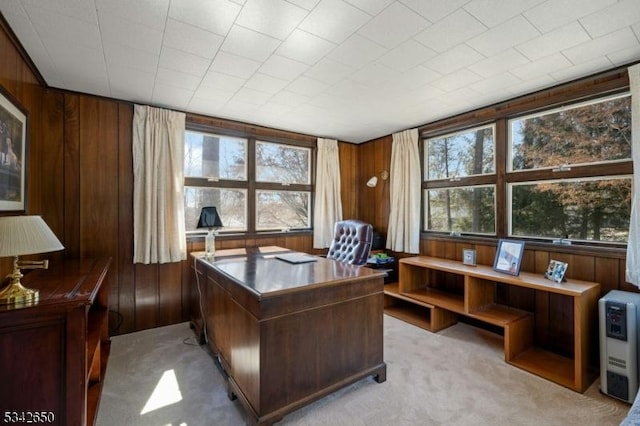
(469, 257)
(556, 271)
(13, 149)
(509, 256)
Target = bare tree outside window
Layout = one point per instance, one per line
(592, 208)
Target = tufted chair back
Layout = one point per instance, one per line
(351, 242)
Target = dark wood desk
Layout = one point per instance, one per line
(289, 334)
(53, 353)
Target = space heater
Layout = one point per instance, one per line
(619, 313)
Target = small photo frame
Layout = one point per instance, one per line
(509, 256)
(469, 257)
(556, 271)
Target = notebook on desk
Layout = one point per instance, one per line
(296, 257)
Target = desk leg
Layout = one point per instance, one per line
(381, 375)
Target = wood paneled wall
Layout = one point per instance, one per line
(80, 179)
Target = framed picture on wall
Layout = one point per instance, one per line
(13, 148)
(509, 256)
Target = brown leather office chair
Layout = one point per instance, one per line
(351, 242)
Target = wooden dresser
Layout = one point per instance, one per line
(53, 354)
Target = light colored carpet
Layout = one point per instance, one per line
(455, 377)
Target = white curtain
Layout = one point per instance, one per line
(403, 234)
(158, 179)
(633, 246)
(328, 204)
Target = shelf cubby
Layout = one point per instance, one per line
(428, 294)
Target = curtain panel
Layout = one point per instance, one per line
(328, 202)
(632, 274)
(403, 233)
(158, 182)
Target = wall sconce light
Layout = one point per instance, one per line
(373, 181)
(22, 235)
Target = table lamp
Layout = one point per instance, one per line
(209, 219)
(21, 235)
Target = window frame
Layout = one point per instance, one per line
(251, 185)
(608, 83)
(481, 180)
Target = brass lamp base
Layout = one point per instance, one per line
(15, 292)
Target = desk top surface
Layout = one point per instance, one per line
(260, 271)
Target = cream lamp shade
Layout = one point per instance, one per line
(21, 235)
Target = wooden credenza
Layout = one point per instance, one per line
(432, 292)
(53, 353)
(288, 334)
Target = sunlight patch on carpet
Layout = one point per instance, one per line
(167, 392)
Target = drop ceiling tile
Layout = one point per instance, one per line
(275, 18)
(291, 99)
(329, 71)
(513, 32)
(554, 41)
(434, 10)
(541, 67)
(619, 15)
(374, 75)
(231, 64)
(250, 96)
(406, 56)
(249, 44)
(495, 12)
(533, 85)
(124, 56)
(182, 61)
(11, 9)
(216, 16)
(217, 94)
(499, 63)
(65, 29)
(625, 56)
(451, 31)
(456, 80)
(394, 25)
(418, 77)
(454, 59)
(372, 7)
(305, 4)
(266, 83)
(204, 106)
(171, 97)
(357, 51)
(284, 68)
(150, 13)
(496, 83)
(169, 77)
(304, 47)
(191, 39)
(131, 84)
(609, 43)
(585, 68)
(334, 20)
(78, 9)
(220, 81)
(117, 30)
(556, 13)
(307, 86)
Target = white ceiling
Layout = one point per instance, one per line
(353, 70)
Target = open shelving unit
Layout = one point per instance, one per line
(432, 292)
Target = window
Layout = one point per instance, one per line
(255, 185)
(564, 165)
(459, 184)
